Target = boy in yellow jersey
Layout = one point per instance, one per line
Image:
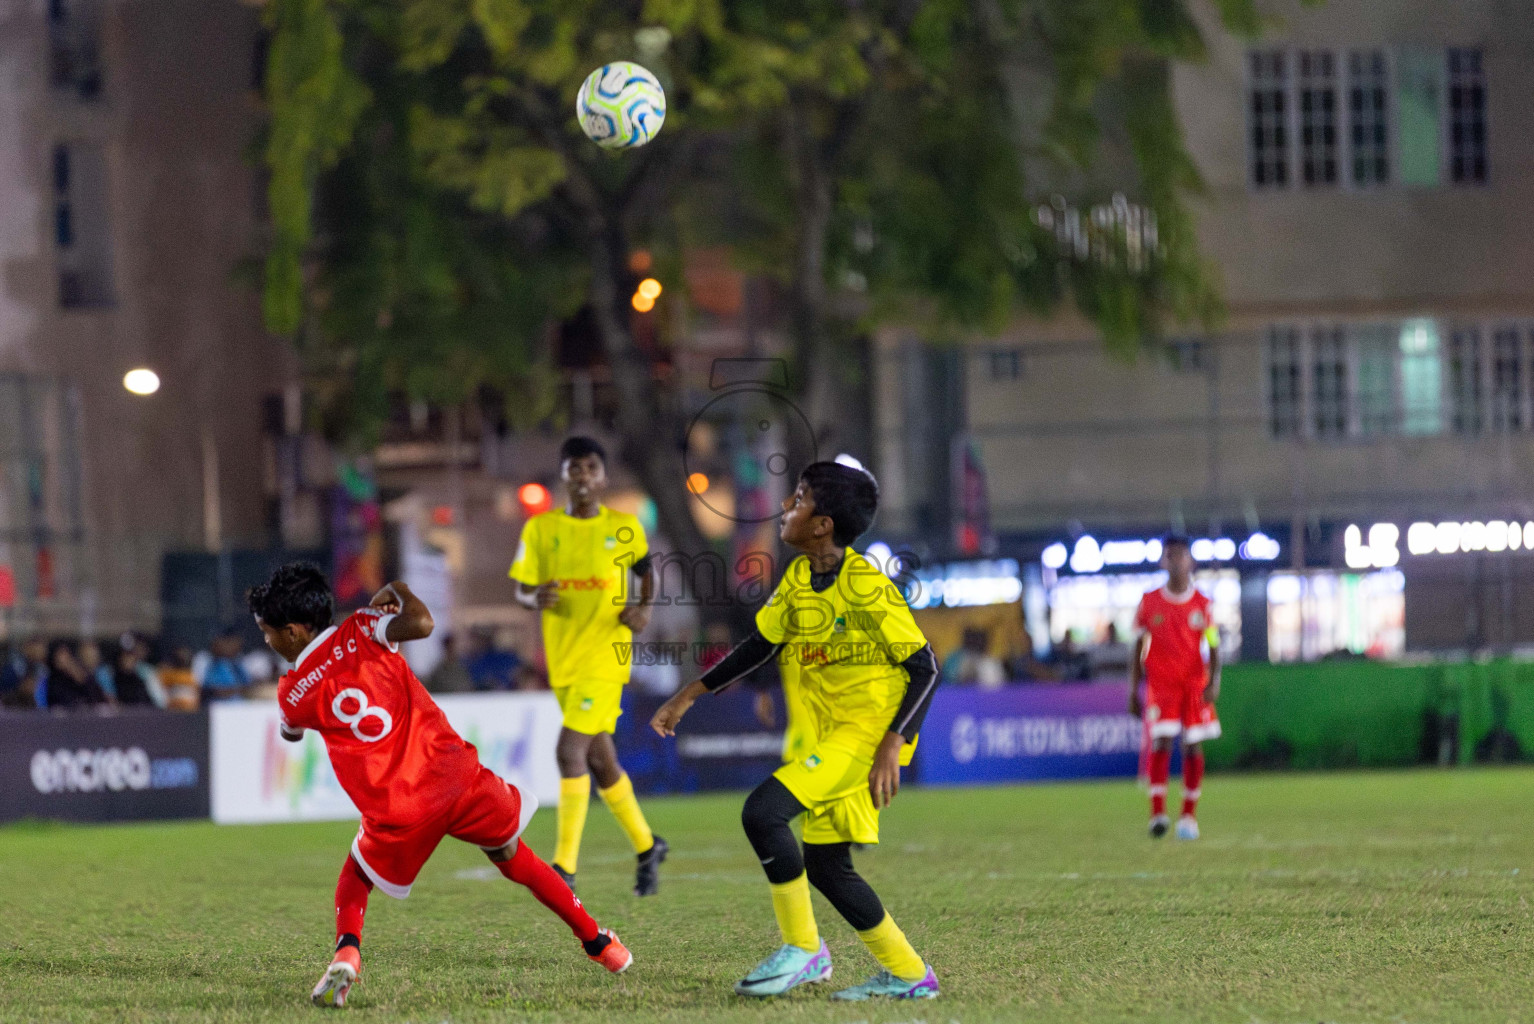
(865, 678)
(798, 728)
(574, 565)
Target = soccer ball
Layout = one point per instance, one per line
(620, 106)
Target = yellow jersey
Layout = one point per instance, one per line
(847, 643)
(592, 560)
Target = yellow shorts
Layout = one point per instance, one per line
(833, 784)
(591, 707)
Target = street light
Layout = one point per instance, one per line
(142, 381)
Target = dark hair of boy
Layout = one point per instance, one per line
(580, 447)
(848, 496)
(1175, 540)
(298, 593)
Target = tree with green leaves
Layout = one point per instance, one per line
(435, 205)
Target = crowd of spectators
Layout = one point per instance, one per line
(974, 662)
(60, 674)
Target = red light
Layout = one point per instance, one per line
(535, 498)
(442, 515)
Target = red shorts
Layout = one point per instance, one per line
(1175, 708)
(490, 813)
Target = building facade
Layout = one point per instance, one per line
(129, 226)
(1368, 170)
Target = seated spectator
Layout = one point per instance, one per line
(450, 675)
(1024, 666)
(1111, 657)
(29, 660)
(181, 691)
(68, 684)
(24, 696)
(973, 664)
(134, 680)
(490, 666)
(261, 669)
(89, 653)
(219, 670)
(1069, 661)
(528, 679)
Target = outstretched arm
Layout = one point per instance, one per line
(412, 619)
(748, 655)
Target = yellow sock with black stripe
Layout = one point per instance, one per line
(895, 954)
(570, 821)
(619, 798)
(796, 917)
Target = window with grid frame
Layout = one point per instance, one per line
(1268, 114)
(1374, 358)
(1466, 393)
(1285, 382)
(1508, 389)
(1329, 406)
(1318, 117)
(1467, 116)
(1368, 120)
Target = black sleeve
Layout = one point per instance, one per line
(922, 667)
(642, 566)
(747, 656)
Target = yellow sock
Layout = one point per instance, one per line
(888, 944)
(619, 798)
(796, 918)
(570, 822)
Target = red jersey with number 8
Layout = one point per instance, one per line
(392, 748)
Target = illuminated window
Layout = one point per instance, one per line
(1318, 118)
(1413, 115)
(1419, 93)
(1467, 117)
(1421, 378)
(1367, 123)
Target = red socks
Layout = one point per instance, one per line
(352, 890)
(1192, 779)
(526, 868)
(1160, 769)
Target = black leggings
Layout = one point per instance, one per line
(766, 815)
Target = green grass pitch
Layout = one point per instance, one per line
(1387, 897)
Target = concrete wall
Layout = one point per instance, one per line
(1082, 437)
(175, 118)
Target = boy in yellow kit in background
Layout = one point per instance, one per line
(865, 678)
(574, 565)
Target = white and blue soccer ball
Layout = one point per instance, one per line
(620, 106)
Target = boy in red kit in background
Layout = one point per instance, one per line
(414, 779)
(1175, 624)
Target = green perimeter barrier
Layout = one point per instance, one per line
(1370, 714)
(1323, 715)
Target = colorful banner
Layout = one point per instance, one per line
(258, 776)
(1028, 733)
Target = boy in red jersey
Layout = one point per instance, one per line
(1174, 623)
(413, 778)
